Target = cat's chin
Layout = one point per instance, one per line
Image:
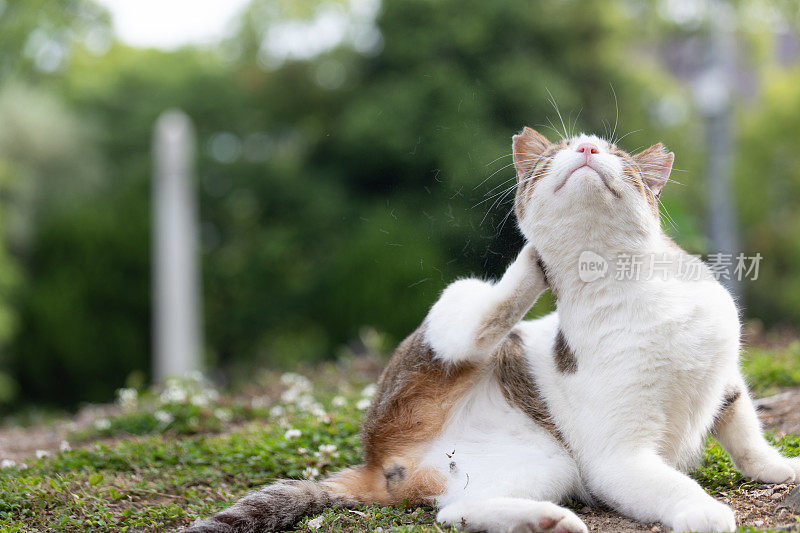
(586, 180)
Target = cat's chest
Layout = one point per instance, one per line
(640, 336)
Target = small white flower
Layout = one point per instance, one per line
(327, 449)
(302, 451)
(364, 403)
(310, 472)
(163, 417)
(195, 375)
(369, 391)
(288, 378)
(290, 395)
(304, 402)
(64, 446)
(339, 401)
(41, 454)
(276, 411)
(127, 399)
(102, 424)
(316, 523)
(23, 466)
(7, 463)
(296, 381)
(223, 414)
(292, 434)
(174, 393)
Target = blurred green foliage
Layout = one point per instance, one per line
(336, 191)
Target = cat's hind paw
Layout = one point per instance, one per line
(511, 515)
(551, 518)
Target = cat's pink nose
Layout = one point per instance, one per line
(587, 149)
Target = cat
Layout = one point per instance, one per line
(497, 420)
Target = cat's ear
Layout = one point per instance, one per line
(656, 165)
(527, 146)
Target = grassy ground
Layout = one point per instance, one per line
(160, 459)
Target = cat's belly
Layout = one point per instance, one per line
(489, 448)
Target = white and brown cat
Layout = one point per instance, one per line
(497, 420)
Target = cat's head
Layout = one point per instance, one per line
(586, 185)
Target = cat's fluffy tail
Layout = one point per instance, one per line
(278, 506)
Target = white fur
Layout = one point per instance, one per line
(502, 468)
(654, 359)
(453, 323)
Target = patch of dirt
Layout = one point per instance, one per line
(782, 411)
(20, 443)
(761, 506)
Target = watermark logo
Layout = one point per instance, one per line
(591, 266)
(685, 267)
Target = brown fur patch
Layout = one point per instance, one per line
(527, 147)
(563, 355)
(424, 484)
(397, 480)
(415, 484)
(362, 483)
(506, 314)
(518, 384)
(414, 398)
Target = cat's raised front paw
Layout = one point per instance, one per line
(706, 517)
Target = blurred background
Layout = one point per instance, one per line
(348, 159)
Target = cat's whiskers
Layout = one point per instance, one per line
(503, 195)
(629, 133)
(537, 175)
(505, 167)
(616, 114)
(561, 118)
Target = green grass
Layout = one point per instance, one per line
(769, 370)
(717, 474)
(159, 464)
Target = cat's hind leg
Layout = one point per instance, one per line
(738, 430)
(473, 316)
(503, 470)
(518, 515)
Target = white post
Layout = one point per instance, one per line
(714, 96)
(176, 287)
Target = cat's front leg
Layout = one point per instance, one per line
(472, 316)
(738, 430)
(640, 485)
